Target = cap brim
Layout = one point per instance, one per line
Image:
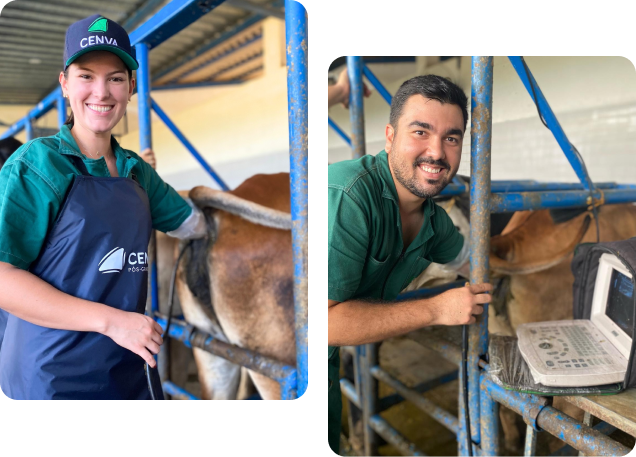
(128, 61)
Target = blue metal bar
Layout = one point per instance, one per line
(288, 384)
(356, 105)
(29, 129)
(173, 128)
(339, 131)
(530, 186)
(375, 82)
(145, 142)
(171, 19)
(509, 202)
(369, 396)
(140, 13)
(43, 107)
(430, 291)
(177, 392)
(390, 434)
(603, 427)
(481, 130)
(385, 403)
(489, 420)
(439, 414)
(537, 413)
(192, 337)
(349, 390)
(530, 446)
(357, 369)
(511, 186)
(551, 121)
(143, 95)
(61, 110)
(296, 38)
(14, 129)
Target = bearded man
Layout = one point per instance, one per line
(385, 229)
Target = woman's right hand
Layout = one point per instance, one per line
(137, 333)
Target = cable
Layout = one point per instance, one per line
(171, 293)
(149, 381)
(469, 439)
(576, 151)
(168, 319)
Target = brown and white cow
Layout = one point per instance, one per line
(237, 284)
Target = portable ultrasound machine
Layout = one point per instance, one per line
(583, 352)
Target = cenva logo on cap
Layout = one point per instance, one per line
(99, 25)
(115, 261)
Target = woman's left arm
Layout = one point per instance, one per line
(171, 213)
(194, 227)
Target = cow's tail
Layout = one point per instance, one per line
(204, 197)
(502, 266)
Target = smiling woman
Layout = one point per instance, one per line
(98, 86)
(72, 206)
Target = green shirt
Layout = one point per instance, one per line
(33, 186)
(366, 253)
(367, 258)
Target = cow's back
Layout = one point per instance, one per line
(251, 274)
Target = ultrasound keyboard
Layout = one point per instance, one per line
(563, 353)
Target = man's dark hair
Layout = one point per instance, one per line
(429, 86)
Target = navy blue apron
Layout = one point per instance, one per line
(96, 250)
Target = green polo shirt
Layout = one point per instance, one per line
(33, 186)
(367, 258)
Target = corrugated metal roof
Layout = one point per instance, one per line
(32, 40)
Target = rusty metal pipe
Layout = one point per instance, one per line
(392, 436)
(580, 436)
(536, 412)
(439, 414)
(349, 391)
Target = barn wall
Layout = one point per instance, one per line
(240, 130)
(593, 97)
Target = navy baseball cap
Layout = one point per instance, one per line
(97, 33)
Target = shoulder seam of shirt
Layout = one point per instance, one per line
(38, 172)
(347, 189)
(35, 170)
(353, 198)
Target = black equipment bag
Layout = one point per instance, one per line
(507, 366)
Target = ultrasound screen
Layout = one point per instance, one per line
(620, 302)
